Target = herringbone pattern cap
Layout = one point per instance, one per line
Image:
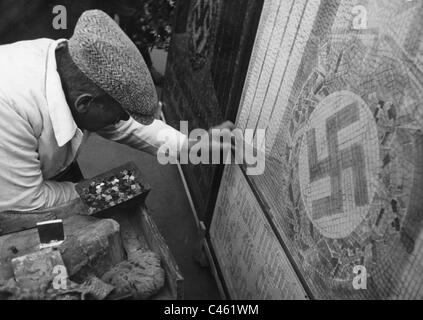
(105, 54)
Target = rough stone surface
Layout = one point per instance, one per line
(36, 267)
(92, 289)
(141, 276)
(93, 249)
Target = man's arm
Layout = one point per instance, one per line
(145, 138)
(151, 138)
(22, 187)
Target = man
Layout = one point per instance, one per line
(54, 93)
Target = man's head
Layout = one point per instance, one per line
(92, 108)
(104, 75)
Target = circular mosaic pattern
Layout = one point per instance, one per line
(338, 164)
(352, 169)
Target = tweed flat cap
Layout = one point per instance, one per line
(105, 54)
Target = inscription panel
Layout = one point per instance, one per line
(251, 258)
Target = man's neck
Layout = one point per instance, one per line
(61, 51)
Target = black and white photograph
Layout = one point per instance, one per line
(228, 152)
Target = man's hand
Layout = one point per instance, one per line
(220, 140)
(221, 137)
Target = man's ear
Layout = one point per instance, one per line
(82, 103)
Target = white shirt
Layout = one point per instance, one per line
(38, 135)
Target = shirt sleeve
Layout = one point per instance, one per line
(22, 185)
(149, 138)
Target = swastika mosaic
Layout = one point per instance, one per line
(344, 177)
(338, 164)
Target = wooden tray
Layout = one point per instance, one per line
(129, 205)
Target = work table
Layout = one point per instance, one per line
(137, 230)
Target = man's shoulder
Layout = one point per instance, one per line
(26, 55)
(23, 64)
(14, 52)
(22, 80)
(35, 43)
